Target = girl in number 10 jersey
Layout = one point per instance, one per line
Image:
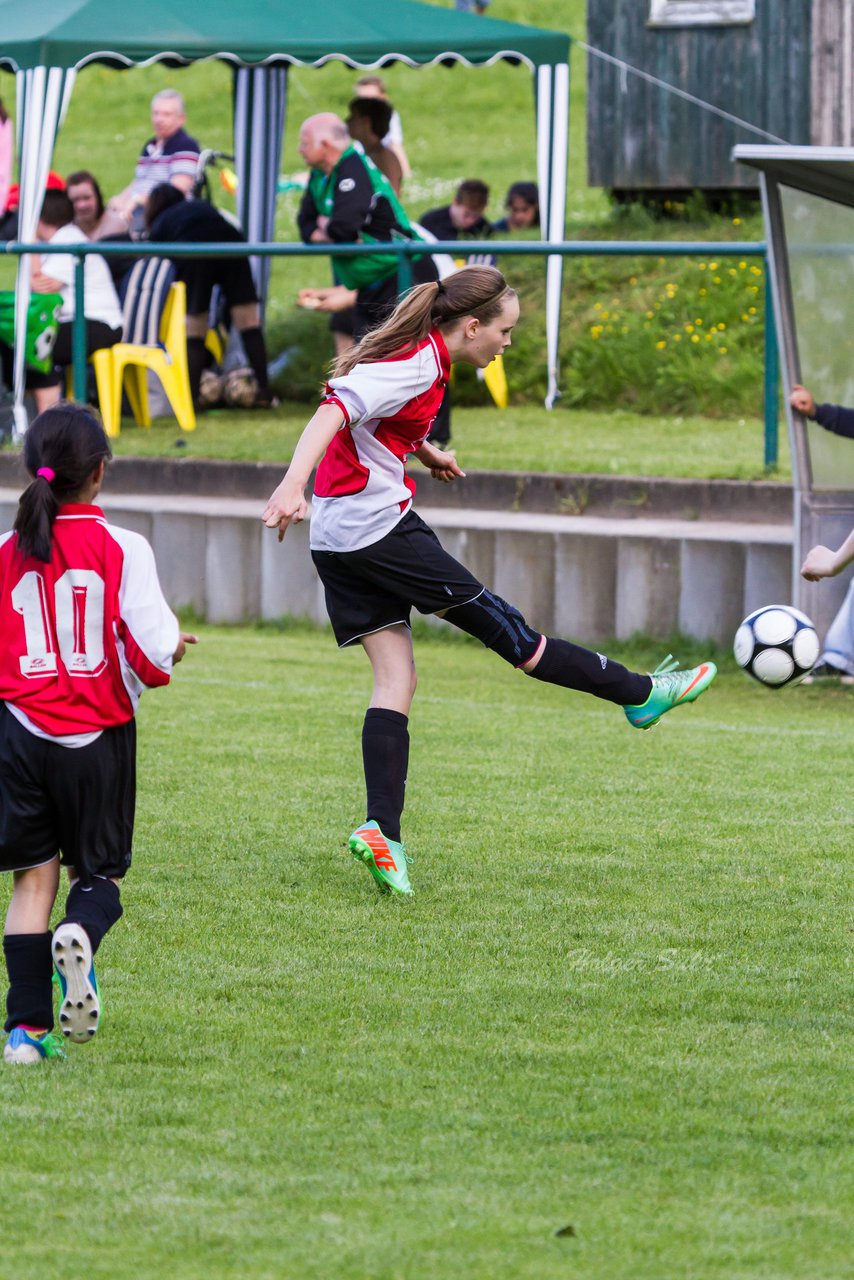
(85, 629)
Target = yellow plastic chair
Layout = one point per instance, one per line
(102, 362)
(168, 359)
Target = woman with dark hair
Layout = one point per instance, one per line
(170, 218)
(522, 203)
(85, 630)
(377, 558)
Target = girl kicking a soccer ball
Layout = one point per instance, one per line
(85, 629)
(377, 558)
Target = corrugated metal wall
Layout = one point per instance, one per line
(641, 137)
(832, 78)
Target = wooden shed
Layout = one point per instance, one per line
(785, 66)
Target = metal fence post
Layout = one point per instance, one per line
(78, 331)
(772, 376)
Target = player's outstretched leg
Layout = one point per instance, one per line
(80, 1004)
(387, 860)
(670, 688)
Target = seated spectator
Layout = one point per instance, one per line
(522, 203)
(54, 273)
(368, 123)
(172, 218)
(98, 223)
(463, 218)
(170, 156)
(9, 215)
(374, 87)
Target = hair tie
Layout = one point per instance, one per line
(440, 288)
(47, 473)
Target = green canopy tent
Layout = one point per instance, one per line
(47, 42)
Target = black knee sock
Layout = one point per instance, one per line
(29, 965)
(256, 353)
(385, 752)
(576, 668)
(96, 906)
(196, 358)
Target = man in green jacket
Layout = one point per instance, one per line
(348, 201)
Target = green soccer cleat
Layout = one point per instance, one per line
(670, 688)
(80, 1005)
(387, 860)
(27, 1047)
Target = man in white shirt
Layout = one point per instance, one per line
(54, 273)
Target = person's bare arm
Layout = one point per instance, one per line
(821, 562)
(287, 504)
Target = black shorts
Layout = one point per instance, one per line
(75, 801)
(233, 275)
(377, 586)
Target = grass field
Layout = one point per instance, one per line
(523, 438)
(614, 1009)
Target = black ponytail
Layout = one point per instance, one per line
(62, 448)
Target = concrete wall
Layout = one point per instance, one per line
(584, 577)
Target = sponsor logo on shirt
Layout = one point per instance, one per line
(346, 184)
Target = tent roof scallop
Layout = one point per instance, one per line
(73, 33)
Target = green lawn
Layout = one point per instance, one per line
(614, 1006)
(521, 438)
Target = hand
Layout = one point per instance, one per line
(332, 298)
(442, 463)
(801, 400)
(287, 506)
(40, 283)
(821, 562)
(184, 638)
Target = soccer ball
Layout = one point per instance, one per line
(211, 388)
(241, 388)
(777, 645)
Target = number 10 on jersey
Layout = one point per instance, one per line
(78, 613)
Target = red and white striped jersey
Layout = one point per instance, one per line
(83, 635)
(361, 489)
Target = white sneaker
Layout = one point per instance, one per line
(80, 1007)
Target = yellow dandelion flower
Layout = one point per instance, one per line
(677, 337)
(699, 322)
(660, 346)
(649, 314)
(742, 266)
(695, 337)
(605, 315)
(709, 336)
(717, 280)
(713, 266)
(633, 279)
(736, 222)
(721, 326)
(732, 271)
(722, 351)
(597, 306)
(702, 266)
(745, 316)
(702, 292)
(751, 311)
(689, 328)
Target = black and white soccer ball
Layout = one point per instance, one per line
(240, 389)
(777, 645)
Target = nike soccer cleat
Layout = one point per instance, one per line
(80, 1007)
(670, 688)
(386, 860)
(28, 1046)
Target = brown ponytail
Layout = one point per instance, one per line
(471, 291)
(62, 448)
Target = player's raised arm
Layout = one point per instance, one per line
(287, 504)
(821, 562)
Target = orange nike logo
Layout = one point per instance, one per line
(382, 854)
(700, 673)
